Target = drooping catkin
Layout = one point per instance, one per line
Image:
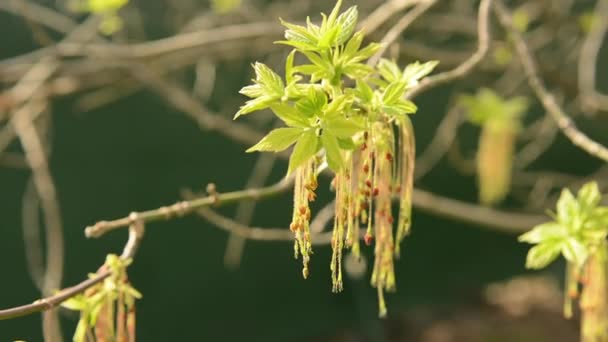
(494, 160)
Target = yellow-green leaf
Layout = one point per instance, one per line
(277, 140)
(306, 147)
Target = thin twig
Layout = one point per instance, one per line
(245, 209)
(547, 99)
(392, 35)
(587, 63)
(468, 65)
(381, 14)
(184, 207)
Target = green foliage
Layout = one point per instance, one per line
(107, 9)
(345, 114)
(326, 111)
(580, 226)
(500, 120)
(98, 304)
(486, 105)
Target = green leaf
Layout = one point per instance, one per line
(299, 45)
(543, 232)
(328, 39)
(76, 303)
(269, 80)
(589, 195)
(289, 67)
(290, 115)
(342, 127)
(254, 90)
(567, 207)
(393, 92)
(415, 71)
(365, 92)
(352, 46)
(401, 107)
(542, 255)
(338, 105)
(329, 22)
(366, 52)
(299, 34)
(277, 140)
(347, 144)
(332, 151)
(389, 70)
(313, 103)
(346, 22)
(259, 103)
(306, 147)
(357, 70)
(575, 251)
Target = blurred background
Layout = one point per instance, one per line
(118, 138)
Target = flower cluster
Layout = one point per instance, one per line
(351, 117)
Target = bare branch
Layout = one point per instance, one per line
(547, 99)
(468, 65)
(587, 63)
(401, 26)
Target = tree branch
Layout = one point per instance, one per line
(547, 99)
(468, 65)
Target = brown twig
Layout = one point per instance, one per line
(468, 65)
(547, 99)
(587, 63)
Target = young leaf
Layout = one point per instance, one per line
(277, 140)
(346, 143)
(352, 46)
(269, 80)
(346, 22)
(389, 70)
(290, 115)
(589, 195)
(544, 232)
(312, 104)
(393, 92)
(343, 128)
(542, 254)
(575, 251)
(253, 91)
(332, 151)
(299, 34)
(259, 103)
(415, 71)
(289, 67)
(306, 147)
(365, 92)
(567, 207)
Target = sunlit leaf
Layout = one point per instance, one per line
(332, 152)
(306, 147)
(542, 254)
(277, 140)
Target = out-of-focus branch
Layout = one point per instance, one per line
(547, 99)
(483, 37)
(245, 209)
(587, 63)
(256, 233)
(442, 140)
(379, 16)
(392, 35)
